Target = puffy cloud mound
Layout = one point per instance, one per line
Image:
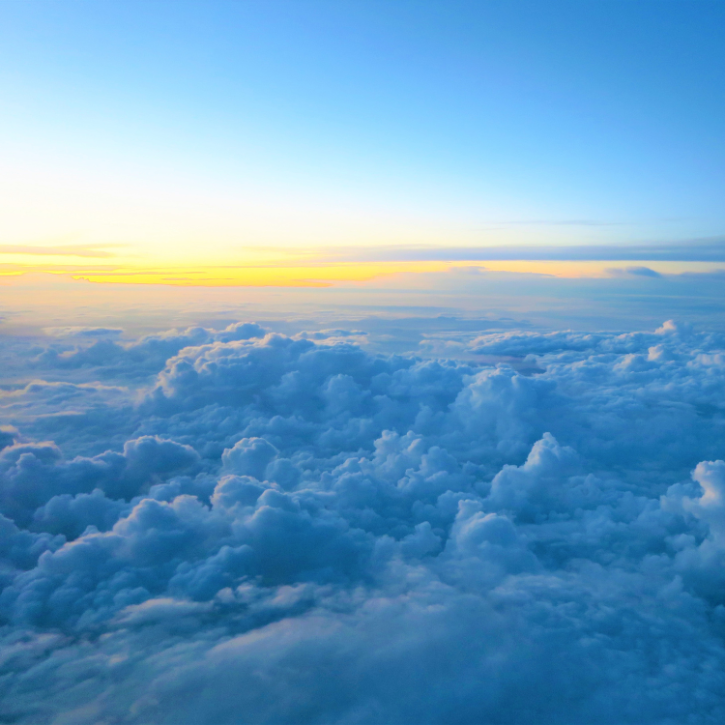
(267, 529)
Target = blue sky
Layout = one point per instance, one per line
(364, 124)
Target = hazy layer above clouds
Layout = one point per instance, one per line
(226, 524)
(396, 310)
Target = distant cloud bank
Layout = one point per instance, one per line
(232, 526)
(697, 250)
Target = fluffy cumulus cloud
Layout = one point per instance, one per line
(234, 526)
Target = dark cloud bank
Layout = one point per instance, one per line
(227, 527)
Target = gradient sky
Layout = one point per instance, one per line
(172, 133)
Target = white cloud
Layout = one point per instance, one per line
(301, 531)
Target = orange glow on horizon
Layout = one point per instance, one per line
(320, 274)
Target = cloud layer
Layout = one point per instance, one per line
(236, 526)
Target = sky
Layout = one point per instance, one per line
(153, 136)
(362, 363)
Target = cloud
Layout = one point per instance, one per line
(694, 250)
(300, 530)
(139, 358)
(76, 250)
(634, 272)
(33, 475)
(68, 332)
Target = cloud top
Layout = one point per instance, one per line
(293, 529)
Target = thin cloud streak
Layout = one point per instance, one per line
(699, 250)
(80, 250)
